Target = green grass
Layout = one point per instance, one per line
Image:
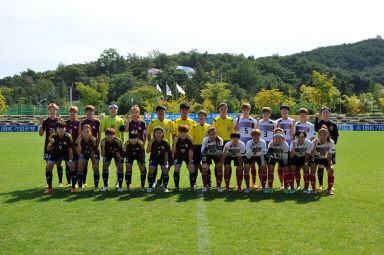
(350, 222)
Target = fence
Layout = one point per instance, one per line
(38, 110)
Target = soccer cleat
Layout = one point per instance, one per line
(154, 185)
(286, 190)
(60, 185)
(73, 190)
(142, 189)
(120, 189)
(48, 191)
(247, 190)
(333, 189)
(175, 190)
(314, 192)
(127, 189)
(149, 190)
(330, 192)
(84, 186)
(320, 187)
(292, 191)
(219, 189)
(159, 183)
(270, 190)
(117, 185)
(228, 189)
(254, 186)
(104, 189)
(239, 190)
(264, 190)
(298, 188)
(166, 190)
(281, 185)
(76, 186)
(204, 189)
(307, 191)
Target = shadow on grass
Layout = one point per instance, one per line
(183, 195)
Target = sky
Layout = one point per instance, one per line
(41, 34)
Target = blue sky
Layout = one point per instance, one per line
(40, 34)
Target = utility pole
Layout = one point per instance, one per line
(70, 94)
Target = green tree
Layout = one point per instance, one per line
(268, 97)
(94, 94)
(138, 96)
(3, 105)
(367, 102)
(214, 94)
(351, 103)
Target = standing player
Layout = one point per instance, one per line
(244, 124)
(134, 124)
(211, 149)
(117, 123)
(134, 150)
(234, 150)
(287, 125)
(278, 153)
(60, 149)
(111, 148)
(332, 127)
(183, 150)
(255, 151)
(159, 149)
(72, 128)
(167, 127)
(86, 149)
(96, 132)
(300, 151)
(48, 127)
(323, 150)
(198, 132)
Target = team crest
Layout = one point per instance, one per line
(289, 125)
(271, 127)
(331, 128)
(251, 124)
(307, 129)
(228, 129)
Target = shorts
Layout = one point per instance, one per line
(299, 162)
(75, 157)
(107, 159)
(88, 156)
(208, 159)
(320, 161)
(179, 161)
(228, 160)
(197, 156)
(254, 159)
(53, 157)
(273, 161)
(140, 160)
(155, 163)
(334, 158)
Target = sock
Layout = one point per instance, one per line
(68, 174)
(239, 178)
(320, 174)
(285, 179)
(105, 177)
(96, 177)
(263, 177)
(280, 174)
(219, 178)
(80, 178)
(48, 176)
(260, 177)
(204, 177)
(85, 172)
(209, 180)
(128, 178)
(176, 178)
(292, 179)
(312, 177)
(165, 180)
(298, 177)
(271, 175)
(246, 178)
(191, 179)
(120, 177)
(162, 177)
(331, 179)
(253, 173)
(60, 173)
(150, 180)
(230, 173)
(306, 180)
(142, 178)
(227, 178)
(74, 179)
(117, 177)
(195, 175)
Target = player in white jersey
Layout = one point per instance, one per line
(244, 124)
(287, 125)
(323, 149)
(266, 125)
(255, 151)
(278, 153)
(234, 150)
(304, 125)
(211, 149)
(299, 153)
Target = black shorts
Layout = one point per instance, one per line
(320, 161)
(107, 159)
(197, 156)
(273, 161)
(179, 161)
(208, 159)
(85, 156)
(228, 160)
(130, 160)
(75, 157)
(334, 158)
(155, 163)
(53, 157)
(295, 161)
(254, 159)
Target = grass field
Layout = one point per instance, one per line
(350, 222)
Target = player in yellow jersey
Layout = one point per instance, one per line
(168, 129)
(183, 120)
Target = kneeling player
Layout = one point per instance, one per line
(86, 149)
(183, 150)
(134, 150)
(211, 149)
(255, 151)
(300, 151)
(111, 149)
(323, 150)
(233, 151)
(278, 153)
(60, 149)
(159, 148)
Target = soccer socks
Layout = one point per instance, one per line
(74, 179)
(80, 178)
(331, 179)
(48, 176)
(246, 178)
(165, 180)
(204, 177)
(280, 174)
(263, 177)
(239, 178)
(260, 177)
(306, 180)
(176, 178)
(312, 177)
(60, 173)
(68, 174)
(271, 175)
(320, 174)
(142, 179)
(227, 178)
(96, 177)
(285, 178)
(253, 173)
(209, 180)
(105, 177)
(219, 178)
(298, 177)
(85, 172)
(192, 178)
(120, 177)
(151, 179)
(128, 178)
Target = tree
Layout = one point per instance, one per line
(140, 96)
(381, 104)
(94, 94)
(215, 93)
(3, 105)
(269, 97)
(351, 103)
(367, 101)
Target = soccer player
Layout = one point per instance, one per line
(183, 150)
(111, 148)
(323, 150)
(72, 128)
(86, 149)
(300, 151)
(167, 127)
(183, 120)
(332, 127)
(135, 124)
(234, 151)
(60, 149)
(278, 153)
(96, 132)
(117, 123)
(211, 149)
(198, 132)
(245, 124)
(287, 125)
(255, 151)
(48, 127)
(134, 150)
(159, 148)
